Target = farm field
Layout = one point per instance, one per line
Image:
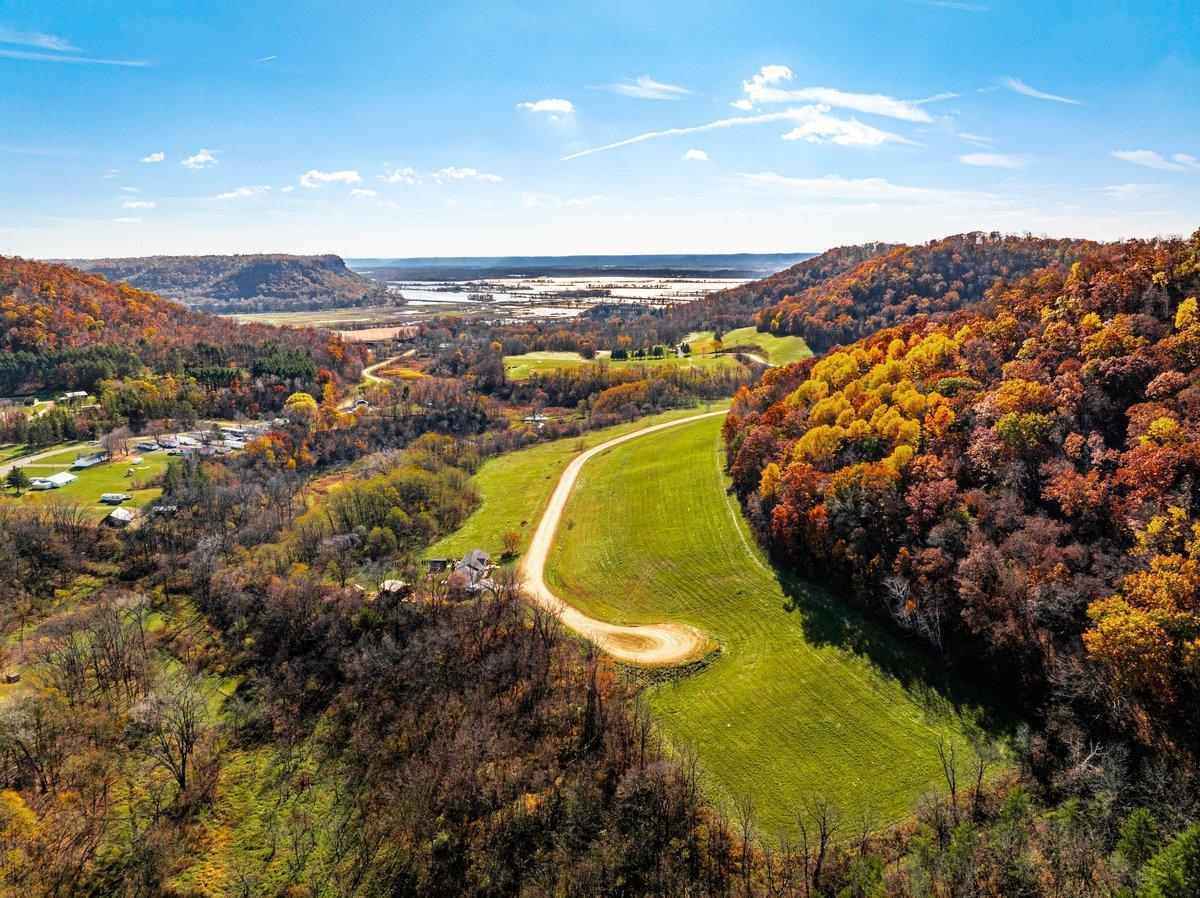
(109, 477)
(519, 367)
(806, 698)
(516, 486)
(776, 350)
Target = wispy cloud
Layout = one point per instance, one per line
(837, 187)
(127, 219)
(35, 39)
(154, 157)
(996, 160)
(131, 190)
(535, 198)
(362, 193)
(552, 105)
(200, 159)
(138, 204)
(51, 48)
(71, 60)
(646, 88)
(1017, 86)
(814, 124)
(1151, 159)
(763, 88)
(268, 58)
(314, 178)
(453, 173)
(695, 156)
(246, 191)
(1125, 192)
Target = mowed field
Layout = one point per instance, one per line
(515, 487)
(776, 350)
(805, 699)
(109, 477)
(519, 367)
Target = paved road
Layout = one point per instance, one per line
(27, 459)
(649, 645)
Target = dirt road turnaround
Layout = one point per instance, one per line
(647, 645)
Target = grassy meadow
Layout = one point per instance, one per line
(519, 367)
(806, 698)
(108, 477)
(515, 487)
(776, 350)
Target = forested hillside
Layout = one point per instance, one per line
(854, 291)
(250, 283)
(61, 329)
(1017, 488)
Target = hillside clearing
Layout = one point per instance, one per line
(806, 698)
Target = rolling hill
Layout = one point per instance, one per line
(250, 283)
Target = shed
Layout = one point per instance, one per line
(54, 481)
(120, 517)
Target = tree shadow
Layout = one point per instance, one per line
(942, 692)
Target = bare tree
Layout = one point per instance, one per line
(171, 723)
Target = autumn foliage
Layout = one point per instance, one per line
(61, 329)
(852, 292)
(1016, 484)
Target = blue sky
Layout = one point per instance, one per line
(456, 128)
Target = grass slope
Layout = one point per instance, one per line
(806, 698)
(515, 487)
(776, 350)
(519, 367)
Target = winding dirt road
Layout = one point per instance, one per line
(648, 645)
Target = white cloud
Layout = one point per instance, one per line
(814, 125)
(743, 104)
(695, 156)
(137, 204)
(1017, 86)
(314, 178)
(154, 157)
(406, 175)
(288, 189)
(819, 127)
(995, 160)
(761, 89)
(110, 174)
(131, 190)
(451, 173)
(200, 159)
(1151, 159)
(268, 58)
(552, 105)
(362, 193)
(246, 191)
(837, 187)
(127, 220)
(1123, 192)
(646, 88)
(36, 39)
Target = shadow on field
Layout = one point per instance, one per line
(929, 680)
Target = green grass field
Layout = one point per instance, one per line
(515, 487)
(805, 699)
(776, 350)
(519, 367)
(109, 477)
